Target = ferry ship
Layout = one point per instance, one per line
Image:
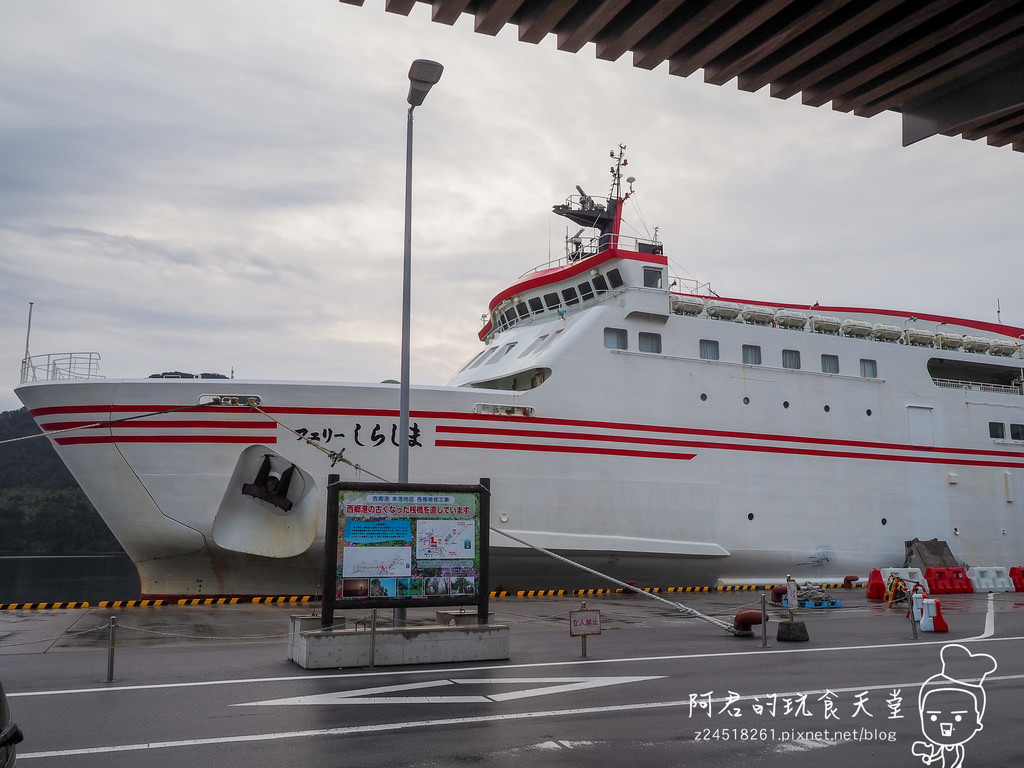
(634, 422)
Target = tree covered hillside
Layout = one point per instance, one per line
(42, 509)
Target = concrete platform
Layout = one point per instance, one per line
(395, 646)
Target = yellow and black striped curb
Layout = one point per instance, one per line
(289, 599)
(296, 599)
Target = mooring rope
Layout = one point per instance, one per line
(334, 456)
(689, 612)
(107, 423)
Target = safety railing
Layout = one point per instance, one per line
(61, 366)
(977, 386)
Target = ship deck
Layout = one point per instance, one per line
(212, 685)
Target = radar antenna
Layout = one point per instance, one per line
(616, 171)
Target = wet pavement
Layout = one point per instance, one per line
(212, 685)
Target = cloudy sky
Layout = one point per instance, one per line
(219, 186)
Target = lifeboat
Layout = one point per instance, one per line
(1002, 347)
(919, 337)
(944, 340)
(886, 332)
(687, 305)
(723, 310)
(975, 343)
(856, 328)
(757, 315)
(825, 324)
(790, 318)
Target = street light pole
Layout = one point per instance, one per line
(422, 75)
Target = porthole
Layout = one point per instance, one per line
(867, 412)
(956, 531)
(750, 515)
(828, 408)
(785, 403)
(746, 401)
(703, 396)
(884, 521)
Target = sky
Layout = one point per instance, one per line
(218, 187)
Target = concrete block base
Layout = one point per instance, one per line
(457, 618)
(394, 646)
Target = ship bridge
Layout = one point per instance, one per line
(954, 67)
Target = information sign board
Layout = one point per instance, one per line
(406, 545)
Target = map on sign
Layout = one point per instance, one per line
(445, 539)
(368, 562)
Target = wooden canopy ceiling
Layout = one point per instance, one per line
(954, 67)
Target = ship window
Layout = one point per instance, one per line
(522, 309)
(708, 349)
(484, 356)
(600, 284)
(650, 342)
(751, 354)
(474, 360)
(569, 294)
(615, 338)
(869, 369)
(614, 278)
(652, 277)
(536, 305)
(791, 358)
(830, 363)
(551, 299)
(510, 316)
(996, 430)
(1017, 431)
(586, 292)
(505, 351)
(536, 343)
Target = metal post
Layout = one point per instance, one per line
(764, 621)
(373, 635)
(110, 649)
(583, 637)
(399, 616)
(403, 398)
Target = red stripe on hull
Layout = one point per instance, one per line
(588, 449)
(101, 439)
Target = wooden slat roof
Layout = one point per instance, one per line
(954, 67)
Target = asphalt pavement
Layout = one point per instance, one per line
(212, 685)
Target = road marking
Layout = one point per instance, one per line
(549, 686)
(844, 649)
(454, 721)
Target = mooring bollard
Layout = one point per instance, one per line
(110, 649)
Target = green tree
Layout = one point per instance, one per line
(42, 509)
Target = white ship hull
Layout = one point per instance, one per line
(646, 433)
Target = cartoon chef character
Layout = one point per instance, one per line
(952, 704)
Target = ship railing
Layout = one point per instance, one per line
(975, 386)
(61, 366)
(579, 248)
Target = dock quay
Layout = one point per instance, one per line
(214, 684)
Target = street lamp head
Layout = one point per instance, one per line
(422, 75)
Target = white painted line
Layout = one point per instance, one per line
(449, 722)
(550, 685)
(775, 651)
(990, 621)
